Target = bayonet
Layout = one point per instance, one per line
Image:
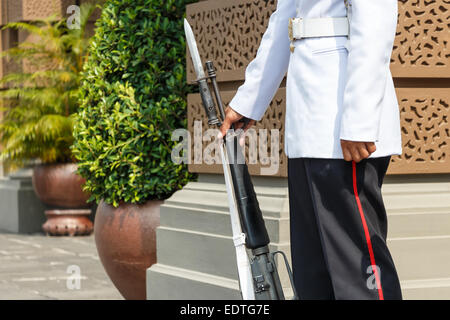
(207, 99)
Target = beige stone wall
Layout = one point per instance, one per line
(229, 32)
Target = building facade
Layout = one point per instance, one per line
(195, 249)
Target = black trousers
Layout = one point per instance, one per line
(338, 229)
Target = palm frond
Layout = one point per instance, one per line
(39, 106)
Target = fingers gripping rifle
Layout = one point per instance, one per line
(259, 279)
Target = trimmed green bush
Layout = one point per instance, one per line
(133, 96)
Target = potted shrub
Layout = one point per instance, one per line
(40, 101)
(133, 97)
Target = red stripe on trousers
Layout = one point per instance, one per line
(366, 232)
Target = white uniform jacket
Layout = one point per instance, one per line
(337, 87)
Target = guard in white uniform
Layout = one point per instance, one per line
(342, 126)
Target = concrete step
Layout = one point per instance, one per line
(184, 284)
(273, 201)
(421, 258)
(205, 252)
(216, 222)
(428, 289)
(417, 197)
(166, 282)
(171, 283)
(419, 224)
(419, 235)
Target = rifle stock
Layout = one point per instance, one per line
(250, 214)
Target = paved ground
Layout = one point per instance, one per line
(41, 267)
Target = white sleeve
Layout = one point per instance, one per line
(372, 32)
(265, 73)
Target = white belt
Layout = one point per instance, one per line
(300, 28)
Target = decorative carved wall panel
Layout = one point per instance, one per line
(422, 45)
(229, 33)
(274, 119)
(27, 10)
(40, 9)
(425, 116)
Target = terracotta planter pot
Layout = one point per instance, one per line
(126, 243)
(69, 222)
(59, 186)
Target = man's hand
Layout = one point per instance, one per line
(357, 151)
(232, 117)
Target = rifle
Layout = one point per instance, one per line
(258, 276)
